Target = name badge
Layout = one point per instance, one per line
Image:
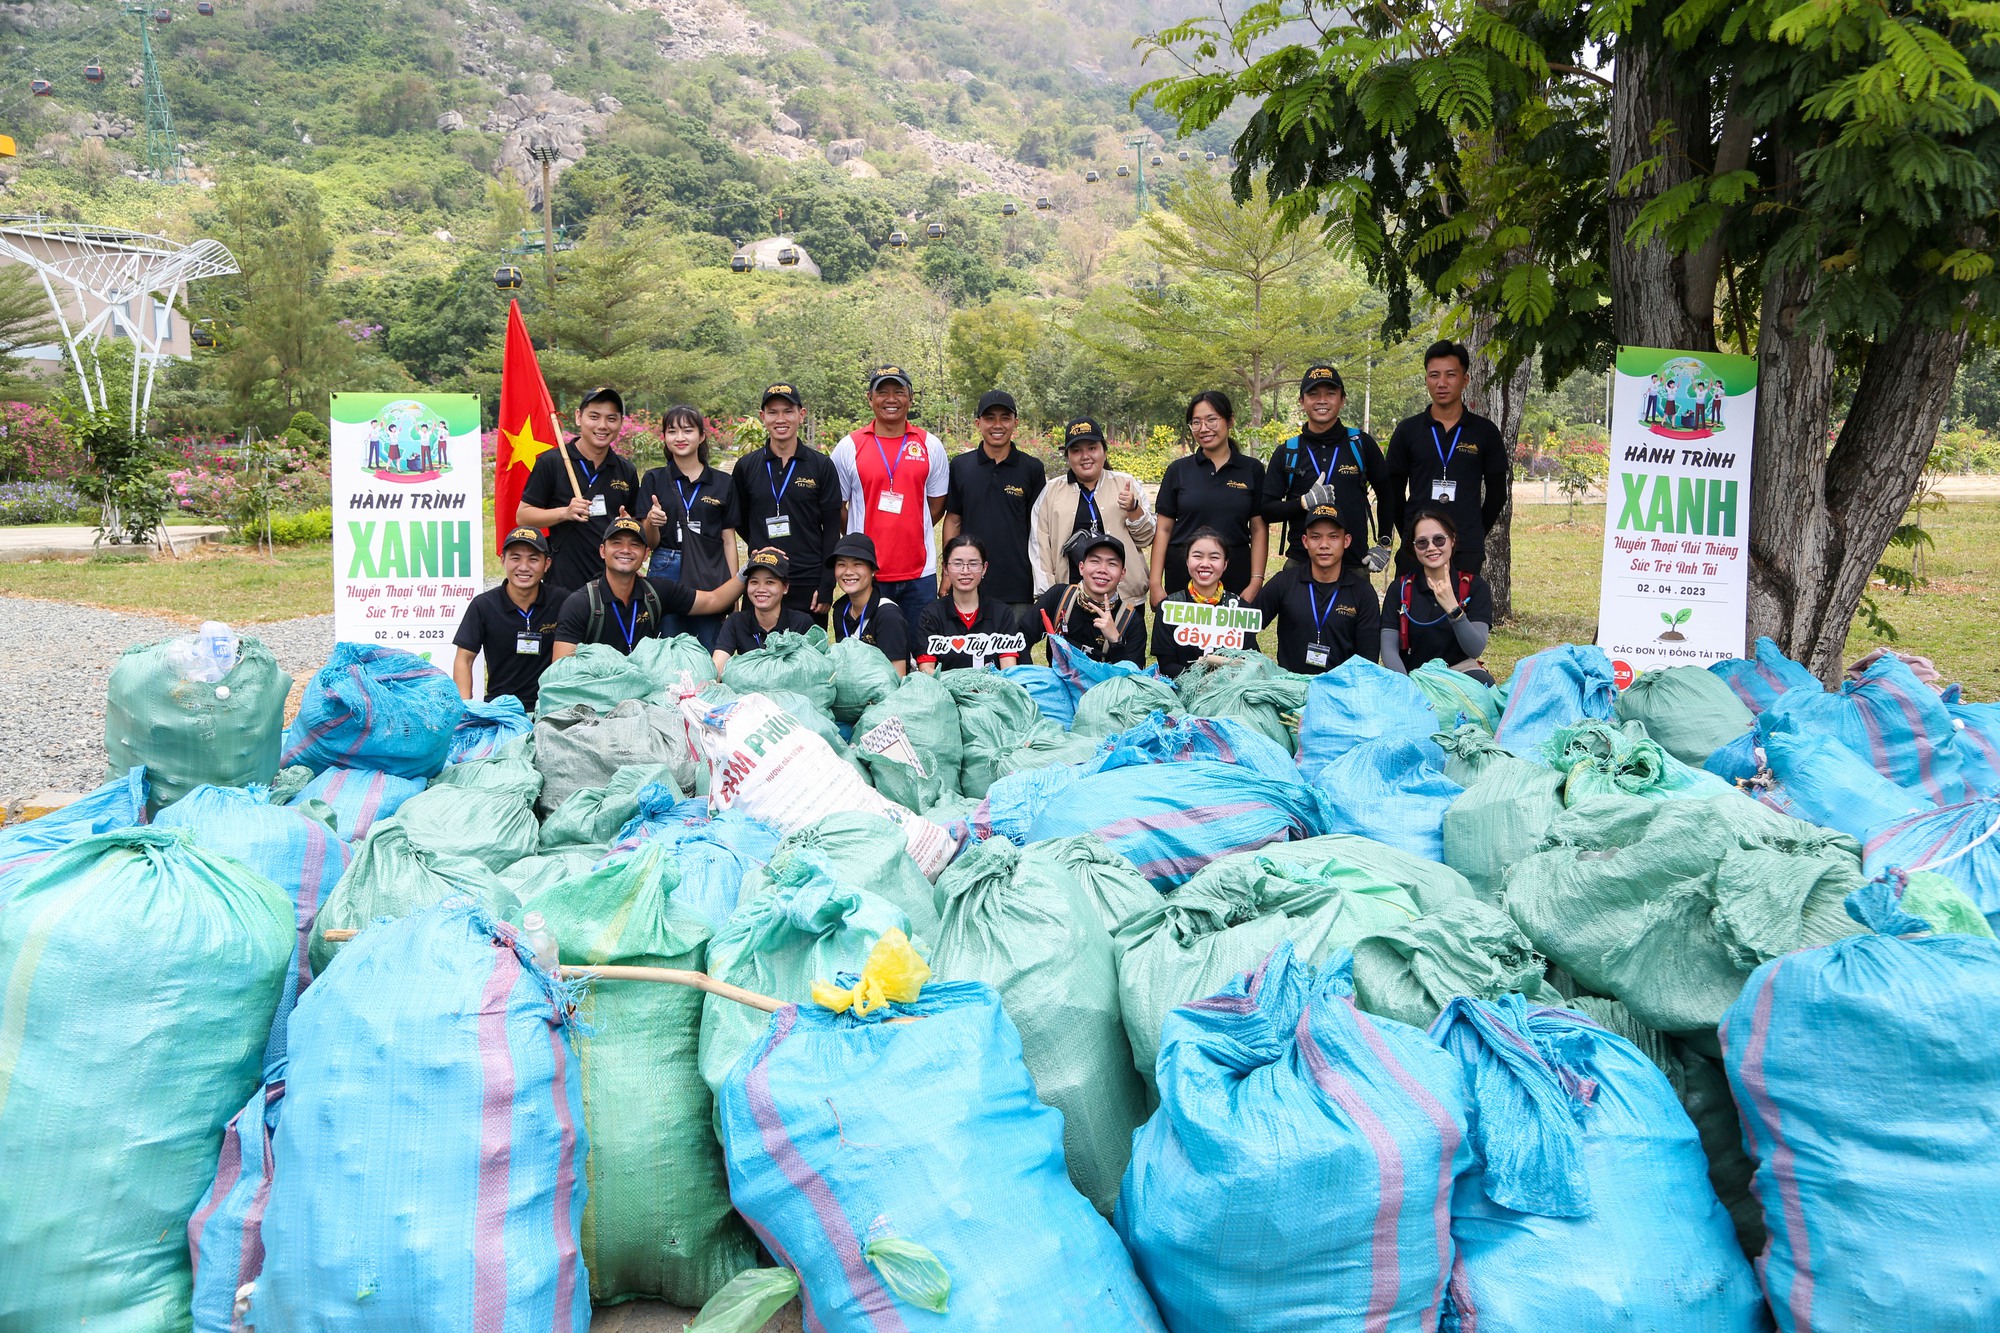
(597, 509)
(1318, 654)
(1444, 491)
(890, 502)
(779, 525)
(528, 645)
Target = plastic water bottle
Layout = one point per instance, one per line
(535, 933)
(208, 656)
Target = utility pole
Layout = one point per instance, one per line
(545, 153)
(1139, 145)
(163, 150)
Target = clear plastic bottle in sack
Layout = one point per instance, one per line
(208, 655)
(535, 933)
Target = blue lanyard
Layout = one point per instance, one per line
(589, 472)
(778, 488)
(886, 465)
(689, 497)
(855, 629)
(1096, 518)
(1444, 459)
(527, 618)
(629, 628)
(1319, 617)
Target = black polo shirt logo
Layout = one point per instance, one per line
(1469, 447)
(1347, 610)
(1019, 491)
(807, 482)
(1349, 470)
(709, 500)
(1237, 485)
(617, 484)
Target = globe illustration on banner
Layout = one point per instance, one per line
(1684, 400)
(408, 442)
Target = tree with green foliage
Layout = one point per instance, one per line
(25, 321)
(1821, 177)
(985, 342)
(442, 321)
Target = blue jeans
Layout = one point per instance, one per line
(911, 596)
(667, 565)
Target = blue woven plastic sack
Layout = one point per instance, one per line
(1170, 820)
(1588, 1205)
(1888, 717)
(428, 1169)
(1393, 790)
(1359, 701)
(1835, 787)
(379, 708)
(1978, 744)
(1079, 673)
(1865, 1074)
(486, 727)
(1552, 689)
(287, 846)
(1767, 673)
(716, 858)
(1297, 1177)
(138, 976)
(119, 803)
(1048, 689)
(226, 1233)
(359, 798)
(1736, 761)
(1162, 739)
(1960, 842)
(960, 1158)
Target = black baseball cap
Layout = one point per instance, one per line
(771, 562)
(993, 398)
(883, 374)
(1090, 539)
(1321, 376)
(603, 393)
(855, 546)
(624, 526)
(788, 392)
(1323, 514)
(526, 537)
(1083, 430)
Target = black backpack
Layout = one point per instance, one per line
(596, 625)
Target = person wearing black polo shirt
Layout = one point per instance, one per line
(623, 606)
(993, 493)
(1218, 486)
(686, 508)
(1327, 462)
(861, 611)
(1448, 457)
(1207, 562)
(606, 486)
(513, 623)
(1326, 613)
(767, 576)
(1089, 613)
(1437, 614)
(788, 497)
(965, 629)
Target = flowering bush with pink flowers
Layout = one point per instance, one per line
(215, 491)
(34, 446)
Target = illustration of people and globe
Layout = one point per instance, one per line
(408, 442)
(1684, 400)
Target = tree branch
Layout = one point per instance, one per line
(1590, 74)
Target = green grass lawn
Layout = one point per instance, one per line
(235, 584)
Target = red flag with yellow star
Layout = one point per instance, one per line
(527, 423)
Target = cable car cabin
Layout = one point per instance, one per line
(163, 16)
(1090, 176)
(1044, 203)
(201, 337)
(93, 73)
(1124, 170)
(1009, 209)
(739, 264)
(897, 240)
(788, 258)
(1209, 157)
(42, 88)
(507, 278)
(1183, 155)
(205, 9)
(1159, 161)
(935, 231)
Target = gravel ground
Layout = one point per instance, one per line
(56, 659)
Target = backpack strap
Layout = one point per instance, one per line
(652, 603)
(596, 624)
(1464, 586)
(1403, 612)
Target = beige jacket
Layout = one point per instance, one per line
(1055, 519)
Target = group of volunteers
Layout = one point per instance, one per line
(946, 562)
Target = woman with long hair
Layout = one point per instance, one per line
(687, 508)
(1436, 615)
(1216, 486)
(962, 628)
(1207, 562)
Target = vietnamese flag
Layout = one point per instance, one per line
(527, 424)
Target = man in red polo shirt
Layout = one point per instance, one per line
(893, 478)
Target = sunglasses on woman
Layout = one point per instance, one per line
(1426, 543)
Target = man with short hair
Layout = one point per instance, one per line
(1450, 457)
(1327, 462)
(894, 476)
(513, 623)
(788, 497)
(1325, 611)
(622, 606)
(1089, 497)
(1090, 614)
(993, 493)
(607, 485)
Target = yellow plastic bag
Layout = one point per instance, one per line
(894, 974)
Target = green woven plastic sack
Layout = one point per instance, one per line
(578, 748)
(1245, 685)
(392, 876)
(187, 733)
(673, 664)
(1117, 890)
(1501, 816)
(1227, 919)
(995, 715)
(1601, 759)
(509, 775)
(787, 661)
(1457, 698)
(1688, 709)
(591, 818)
(533, 874)
(492, 828)
(1023, 924)
(1410, 972)
(597, 675)
(1670, 905)
(806, 928)
(288, 784)
(657, 1220)
(929, 720)
(862, 676)
(1048, 744)
(138, 978)
(858, 851)
(1429, 884)
(1123, 701)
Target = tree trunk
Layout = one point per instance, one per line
(1504, 399)
(1650, 299)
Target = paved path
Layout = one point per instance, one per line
(77, 540)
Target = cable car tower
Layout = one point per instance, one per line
(163, 149)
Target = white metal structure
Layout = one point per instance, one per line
(113, 283)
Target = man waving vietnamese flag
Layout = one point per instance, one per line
(527, 422)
